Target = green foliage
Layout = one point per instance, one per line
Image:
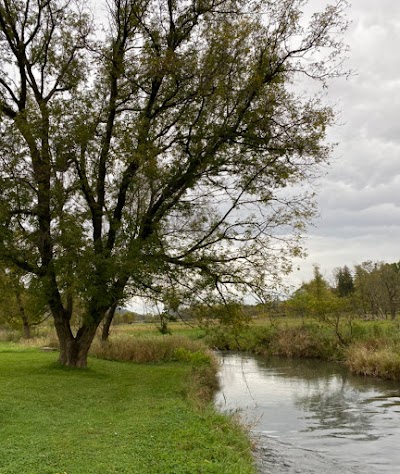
(316, 299)
(182, 354)
(367, 347)
(124, 317)
(151, 159)
(22, 302)
(378, 288)
(344, 282)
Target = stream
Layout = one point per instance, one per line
(313, 417)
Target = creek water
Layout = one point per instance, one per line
(313, 417)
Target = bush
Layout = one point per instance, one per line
(182, 354)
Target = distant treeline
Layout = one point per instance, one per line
(371, 289)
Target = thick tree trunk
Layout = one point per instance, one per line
(74, 353)
(107, 322)
(74, 350)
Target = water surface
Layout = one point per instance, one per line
(313, 417)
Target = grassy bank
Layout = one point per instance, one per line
(366, 347)
(115, 417)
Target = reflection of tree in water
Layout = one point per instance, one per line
(316, 373)
(337, 411)
(337, 401)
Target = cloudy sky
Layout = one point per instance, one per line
(359, 199)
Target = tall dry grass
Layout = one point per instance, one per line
(381, 362)
(151, 349)
(40, 337)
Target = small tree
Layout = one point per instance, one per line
(316, 299)
(159, 149)
(22, 304)
(344, 282)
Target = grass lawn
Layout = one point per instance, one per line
(114, 417)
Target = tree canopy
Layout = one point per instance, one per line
(154, 156)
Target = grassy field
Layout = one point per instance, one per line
(114, 417)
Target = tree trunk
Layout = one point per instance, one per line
(74, 353)
(25, 320)
(74, 350)
(107, 322)
(164, 329)
(27, 328)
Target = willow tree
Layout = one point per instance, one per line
(160, 154)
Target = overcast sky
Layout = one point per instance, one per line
(359, 199)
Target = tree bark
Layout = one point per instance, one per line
(27, 328)
(25, 320)
(74, 350)
(107, 322)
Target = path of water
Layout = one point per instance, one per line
(312, 417)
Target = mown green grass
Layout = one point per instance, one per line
(114, 417)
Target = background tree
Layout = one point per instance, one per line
(390, 280)
(344, 282)
(159, 153)
(368, 288)
(378, 288)
(318, 300)
(22, 304)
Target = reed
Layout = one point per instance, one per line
(381, 362)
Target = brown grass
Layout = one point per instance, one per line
(292, 343)
(39, 339)
(364, 360)
(148, 348)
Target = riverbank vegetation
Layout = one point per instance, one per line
(115, 417)
(366, 348)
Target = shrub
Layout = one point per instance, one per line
(182, 354)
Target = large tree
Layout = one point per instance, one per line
(153, 156)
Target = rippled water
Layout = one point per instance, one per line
(313, 417)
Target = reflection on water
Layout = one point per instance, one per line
(314, 417)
